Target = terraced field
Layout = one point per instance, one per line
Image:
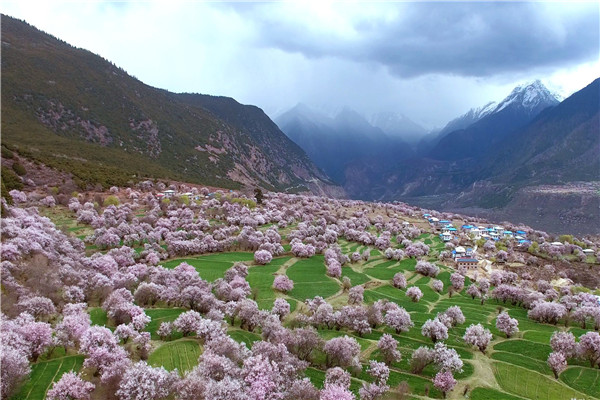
(511, 368)
(44, 373)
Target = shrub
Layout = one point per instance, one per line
(6, 153)
(19, 168)
(10, 180)
(111, 201)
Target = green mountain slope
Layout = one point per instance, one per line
(75, 111)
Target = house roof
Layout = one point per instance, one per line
(460, 249)
(467, 260)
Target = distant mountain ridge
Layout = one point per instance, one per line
(398, 125)
(75, 111)
(493, 124)
(333, 143)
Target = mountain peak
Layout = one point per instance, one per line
(533, 96)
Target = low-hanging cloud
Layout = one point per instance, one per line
(430, 61)
(413, 39)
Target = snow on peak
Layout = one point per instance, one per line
(530, 95)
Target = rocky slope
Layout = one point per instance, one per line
(75, 111)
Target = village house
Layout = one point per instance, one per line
(469, 263)
(168, 193)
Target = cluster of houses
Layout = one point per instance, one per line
(448, 231)
(464, 257)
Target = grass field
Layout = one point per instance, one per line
(518, 364)
(98, 316)
(213, 266)
(532, 385)
(160, 315)
(585, 380)
(310, 279)
(261, 279)
(43, 374)
(516, 367)
(180, 354)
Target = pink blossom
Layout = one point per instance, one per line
(444, 381)
(262, 257)
(337, 376)
(281, 308)
(399, 320)
(399, 281)
(477, 335)
(188, 322)
(283, 283)
(355, 296)
(14, 368)
(434, 330)
(143, 382)
(589, 348)
(427, 268)
(388, 346)
(438, 285)
(446, 359)
(563, 342)
(458, 281)
(557, 362)
(336, 392)
(70, 387)
(342, 351)
(507, 325)
(414, 293)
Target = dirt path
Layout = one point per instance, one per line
(483, 376)
(286, 265)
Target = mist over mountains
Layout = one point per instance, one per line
(480, 161)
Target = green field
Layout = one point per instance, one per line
(517, 366)
(585, 380)
(180, 354)
(213, 266)
(44, 373)
(532, 385)
(310, 279)
(160, 315)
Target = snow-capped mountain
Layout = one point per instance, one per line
(493, 122)
(532, 96)
(469, 118)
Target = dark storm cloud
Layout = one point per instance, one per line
(465, 39)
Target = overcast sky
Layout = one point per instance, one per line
(429, 61)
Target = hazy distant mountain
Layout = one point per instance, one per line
(469, 118)
(398, 125)
(493, 124)
(75, 111)
(335, 143)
